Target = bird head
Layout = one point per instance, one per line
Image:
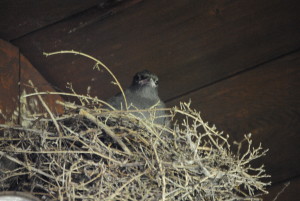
(145, 78)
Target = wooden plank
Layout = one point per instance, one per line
(291, 192)
(189, 44)
(9, 78)
(19, 17)
(15, 69)
(265, 102)
(28, 72)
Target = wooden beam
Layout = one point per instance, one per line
(189, 44)
(28, 72)
(15, 72)
(9, 78)
(265, 102)
(20, 17)
(288, 190)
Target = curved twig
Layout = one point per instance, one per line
(97, 63)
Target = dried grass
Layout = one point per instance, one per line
(90, 153)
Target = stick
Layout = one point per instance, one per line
(97, 63)
(47, 108)
(106, 129)
(23, 164)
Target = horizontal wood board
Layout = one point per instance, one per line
(189, 44)
(20, 17)
(285, 191)
(265, 102)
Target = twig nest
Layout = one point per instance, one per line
(89, 153)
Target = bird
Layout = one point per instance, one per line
(142, 94)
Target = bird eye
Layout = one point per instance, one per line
(156, 82)
(142, 77)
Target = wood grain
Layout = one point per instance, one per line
(290, 193)
(189, 44)
(15, 71)
(264, 101)
(9, 78)
(28, 72)
(227, 56)
(20, 17)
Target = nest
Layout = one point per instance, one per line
(91, 153)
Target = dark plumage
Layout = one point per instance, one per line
(142, 94)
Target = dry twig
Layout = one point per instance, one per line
(114, 155)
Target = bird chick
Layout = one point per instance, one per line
(142, 94)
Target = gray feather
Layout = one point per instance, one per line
(142, 94)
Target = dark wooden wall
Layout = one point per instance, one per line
(15, 72)
(238, 61)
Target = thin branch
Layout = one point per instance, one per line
(124, 185)
(106, 129)
(282, 190)
(26, 166)
(97, 63)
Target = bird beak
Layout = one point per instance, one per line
(152, 83)
(148, 81)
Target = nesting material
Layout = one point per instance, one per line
(90, 153)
